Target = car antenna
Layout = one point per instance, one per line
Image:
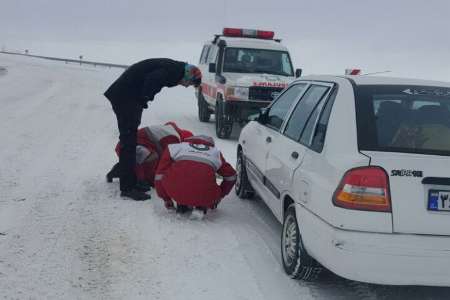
(381, 72)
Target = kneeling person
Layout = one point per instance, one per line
(187, 171)
(152, 141)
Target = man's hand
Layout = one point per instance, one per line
(144, 101)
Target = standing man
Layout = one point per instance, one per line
(129, 95)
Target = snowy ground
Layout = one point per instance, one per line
(66, 234)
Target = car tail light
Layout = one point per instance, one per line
(239, 32)
(365, 188)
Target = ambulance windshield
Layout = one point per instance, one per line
(245, 60)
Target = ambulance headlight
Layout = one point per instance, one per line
(237, 93)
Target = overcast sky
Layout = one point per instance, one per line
(409, 37)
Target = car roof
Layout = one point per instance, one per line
(252, 43)
(376, 80)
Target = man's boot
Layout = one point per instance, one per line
(143, 186)
(135, 195)
(114, 173)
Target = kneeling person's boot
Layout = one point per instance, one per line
(135, 195)
(181, 209)
(198, 213)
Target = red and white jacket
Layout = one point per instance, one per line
(187, 173)
(154, 139)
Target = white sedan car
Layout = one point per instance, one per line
(357, 169)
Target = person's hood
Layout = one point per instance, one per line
(201, 139)
(182, 132)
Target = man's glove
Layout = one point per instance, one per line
(144, 101)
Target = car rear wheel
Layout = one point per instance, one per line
(242, 187)
(203, 110)
(224, 125)
(296, 261)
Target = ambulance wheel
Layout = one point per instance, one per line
(224, 125)
(203, 111)
(296, 261)
(242, 187)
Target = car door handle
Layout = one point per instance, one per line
(268, 139)
(294, 155)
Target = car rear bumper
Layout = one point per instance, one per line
(395, 259)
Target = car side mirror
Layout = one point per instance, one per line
(263, 116)
(212, 68)
(298, 72)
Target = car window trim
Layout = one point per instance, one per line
(290, 108)
(331, 97)
(324, 96)
(321, 103)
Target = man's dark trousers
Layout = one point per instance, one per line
(128, 115)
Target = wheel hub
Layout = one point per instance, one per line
(238, 171)
(290, 241)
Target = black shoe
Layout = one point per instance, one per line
(135, 195)
(181, 209)
(109, 178)
(143, 186)
(114, 173)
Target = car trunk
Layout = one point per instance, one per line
(419, 190)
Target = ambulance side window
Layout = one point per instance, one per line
(212, 55)
(204, 54)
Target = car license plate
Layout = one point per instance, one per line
(439, 200)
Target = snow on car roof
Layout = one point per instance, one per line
(375, 80)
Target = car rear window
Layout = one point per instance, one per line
(401, 118)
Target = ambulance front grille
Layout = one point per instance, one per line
(263, 93)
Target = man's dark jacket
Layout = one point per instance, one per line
(143, 80)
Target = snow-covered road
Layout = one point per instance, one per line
(66, 234)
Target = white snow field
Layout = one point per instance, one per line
(66, 234)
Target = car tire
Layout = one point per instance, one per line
(223, 125)
(203, 110)
(296, 261)
(242, 186)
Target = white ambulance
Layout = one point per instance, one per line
(243, 71)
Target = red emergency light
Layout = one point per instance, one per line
(352, 71)
(253, 33)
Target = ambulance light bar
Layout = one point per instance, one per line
(253, 33)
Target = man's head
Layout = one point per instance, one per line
(192, 76)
